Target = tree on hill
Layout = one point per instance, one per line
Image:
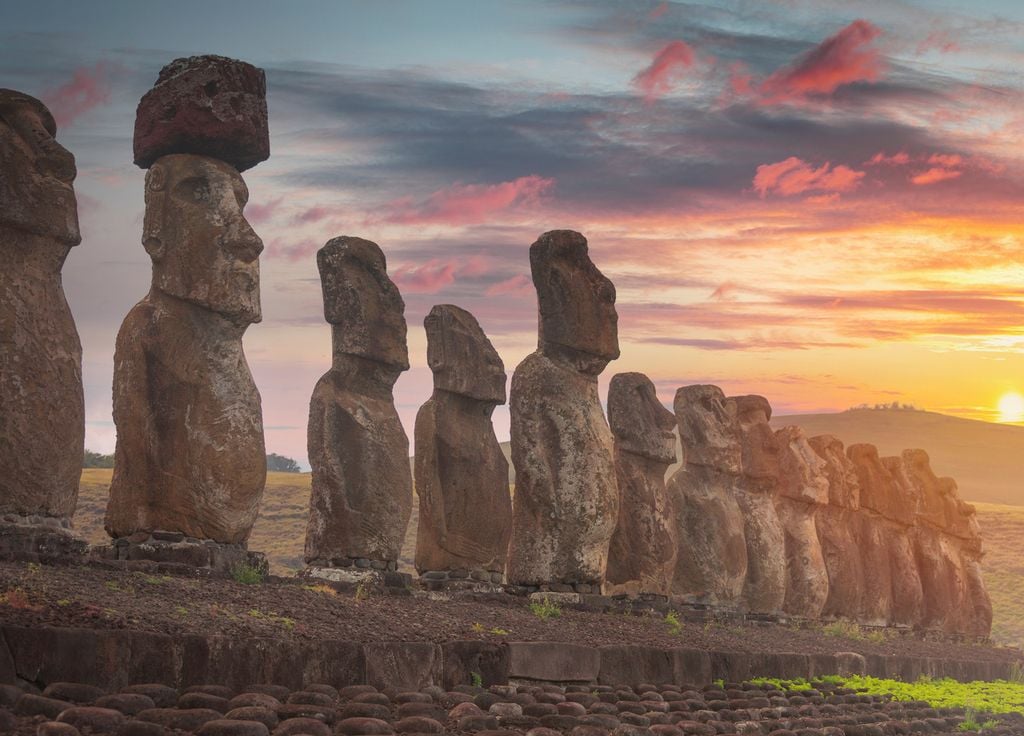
(96, 460)
(282, 464)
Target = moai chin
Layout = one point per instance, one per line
(362, 486)
(803, 490)
(764, 590)
(190, 461)
(566, 500)
(711, 563)
(465, 512)
(642, 556)
(42, 418)
(836, 523)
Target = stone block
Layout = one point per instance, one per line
(553, 662)
(403, 665)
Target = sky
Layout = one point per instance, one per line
(819, 202)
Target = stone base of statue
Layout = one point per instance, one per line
(482, 581)
(359, 575)
(173, 551)
(32, 538)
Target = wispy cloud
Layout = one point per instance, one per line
(795, 176)
(670, 63)
(88, 88)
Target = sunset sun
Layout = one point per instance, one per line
(1011, 407)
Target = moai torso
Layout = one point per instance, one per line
(803, 489)
(361, 497)
(643, 550)
(711, 564)
(566, 501)
(190, 454)
(836, 523)
(764, 590)
(873, 533)
(42, 417)
(461, 474)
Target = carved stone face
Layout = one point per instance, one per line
(576, 301)
(361, 302)
(461, 357)
(203, 249)
(36, 172)
(801, 471)
(843, 486)
(708, 428)
(640, 423)
(761, 449)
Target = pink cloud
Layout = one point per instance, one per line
(938, 40)
(842, 59)
(897, 159)
(279, 248)
(945, 159)
(658, 11)
(87, 89)
(435, 274)
(725, 292)
(668, 64)
(516, 285)
(935, 175)
(794, 176)
(462, 204)
(313, 214)
(258, 213)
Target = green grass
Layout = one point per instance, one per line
(247, 574)
(545, 609)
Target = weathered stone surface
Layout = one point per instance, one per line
(190, 455)
(465, 512)
(362, 488)
(711, 565)
(836, 524)
(553, 662)
(877, 491)
(42, 415)
(566, 501)
(207, 105)
(764, 590)
(907, 594)
(803, 489)
(642, 556)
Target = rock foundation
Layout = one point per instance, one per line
(178, 551)
(33, 538)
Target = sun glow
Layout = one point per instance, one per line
(1011, 407)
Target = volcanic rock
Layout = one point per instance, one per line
(566, 502)
(207, 105)
(642, 556)
(362, 488)
(465, 512)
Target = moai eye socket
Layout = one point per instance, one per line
(195, 190)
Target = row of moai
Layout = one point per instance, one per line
(755, 520)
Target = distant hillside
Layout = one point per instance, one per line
(985, 459)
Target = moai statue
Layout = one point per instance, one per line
(939, 559)
(803, 490)
(977, 619)
(764, 590)
(837, 524)
(461, 473)
(42, 416)
(642, 557)
(876, 598)
(711, 565)
(907, 592)
(362, 487)
(190, 462)
(566, 502)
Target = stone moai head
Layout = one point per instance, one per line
(461, 357)
(36, 172)
(905, 502)
(801, 472)
(203, 249)
(879, 491)
(761, 449)
(362, 302)
(843, 486)
(640, 423)
(576, 301)
(708, 428)
(205, 105)
(930, 503)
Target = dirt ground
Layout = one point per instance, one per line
(89, 597)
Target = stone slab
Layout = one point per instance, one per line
(553, 662)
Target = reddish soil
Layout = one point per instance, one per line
(90, 597)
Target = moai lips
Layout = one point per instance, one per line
(566, 502)
(643, 550)
(765, 587)
(207, 105)
(190, 454)
(711, 564)
(465, 510)
(42, 419)
(361, 497)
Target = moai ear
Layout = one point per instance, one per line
(156, 178)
